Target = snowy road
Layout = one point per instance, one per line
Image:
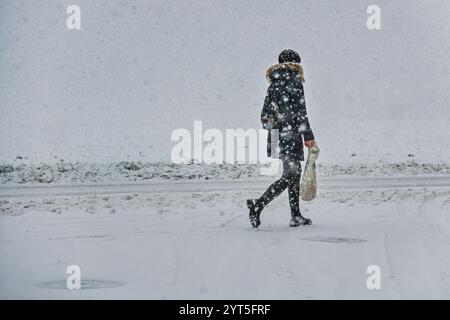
(176, 241)
(325, 183)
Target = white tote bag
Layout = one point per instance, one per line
(308, 185)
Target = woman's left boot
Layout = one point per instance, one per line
(255, 211)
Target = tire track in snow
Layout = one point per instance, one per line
(291, 271)
(410, 249)
(437, 223)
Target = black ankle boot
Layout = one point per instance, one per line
(255, 211)
(299, 220)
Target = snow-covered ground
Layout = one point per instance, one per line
(200, 245)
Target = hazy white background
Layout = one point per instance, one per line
(137, 70)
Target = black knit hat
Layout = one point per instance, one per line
(289, 55)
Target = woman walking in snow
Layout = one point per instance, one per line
(285, 110)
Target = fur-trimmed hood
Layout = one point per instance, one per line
(296, 67)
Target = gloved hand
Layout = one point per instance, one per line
(310, 143)
(269, 123)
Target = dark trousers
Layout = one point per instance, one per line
(290, 179)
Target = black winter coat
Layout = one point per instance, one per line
(285, 109)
